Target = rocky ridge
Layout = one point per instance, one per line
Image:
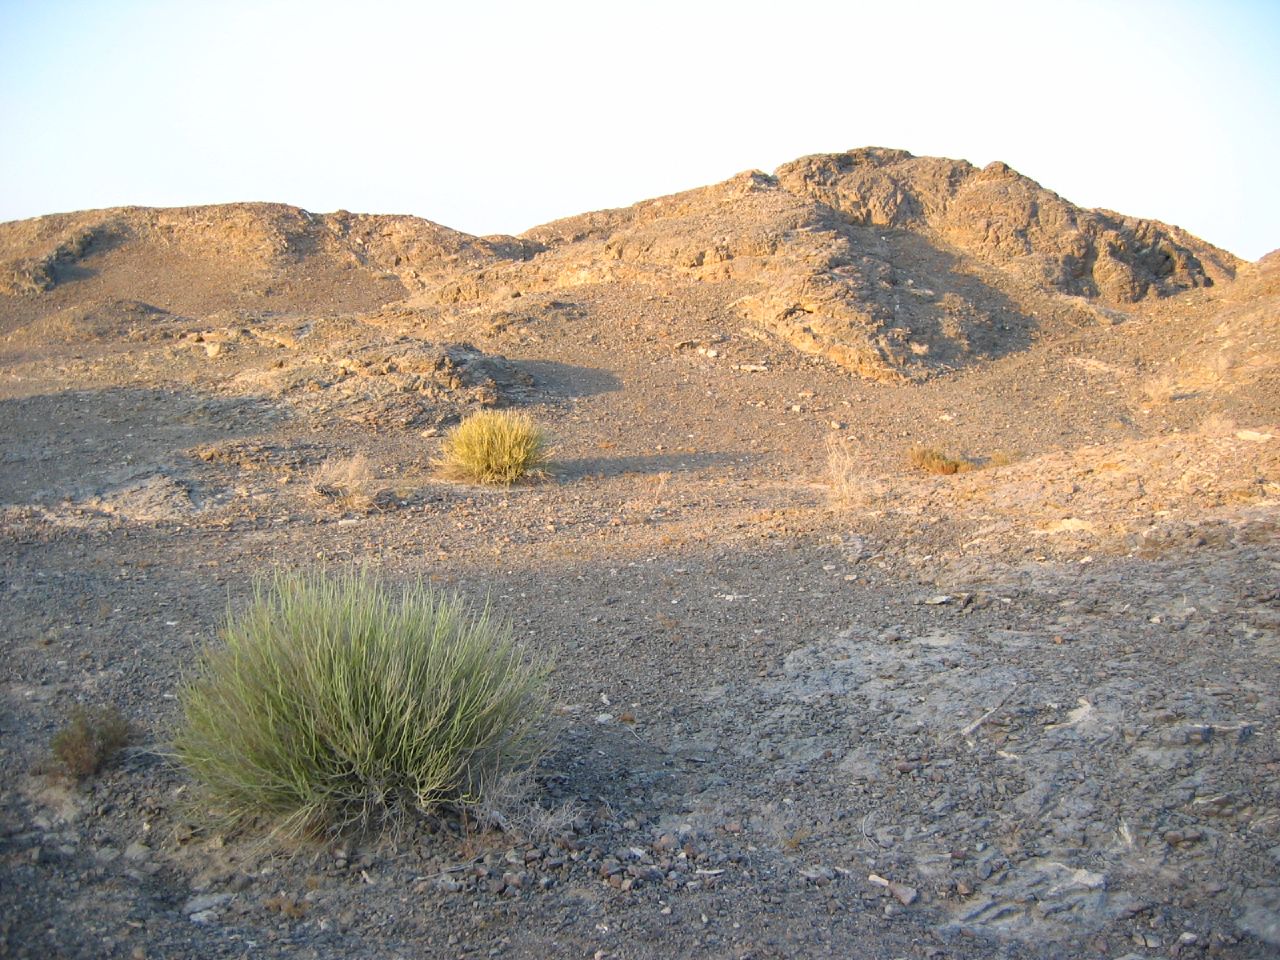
(890, 265)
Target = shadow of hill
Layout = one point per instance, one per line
(74, 442)
(644, 464)
(565, 380)
(959, 314)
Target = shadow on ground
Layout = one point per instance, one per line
(647, 464)
(564, 380)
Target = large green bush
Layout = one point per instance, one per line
(334, 702)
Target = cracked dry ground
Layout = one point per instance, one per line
(1019, 712)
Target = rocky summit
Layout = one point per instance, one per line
(909, 564)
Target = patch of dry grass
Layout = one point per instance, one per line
(346, 483)
(1003, 458)
(935, 461)
(850, 485)
(89, 740)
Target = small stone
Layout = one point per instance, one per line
(205, 903)
(666, 842)
(818, 873)
(610, 867)
(241, 882)
(1200, 734)
(514, 881)
(106, 854)
(905, 895)
(136, 852)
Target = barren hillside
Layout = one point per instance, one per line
(815, 701)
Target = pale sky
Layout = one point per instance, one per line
(493, 117)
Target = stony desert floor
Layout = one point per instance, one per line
(810, 700)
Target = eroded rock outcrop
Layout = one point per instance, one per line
(890, 265)
(1005, 219)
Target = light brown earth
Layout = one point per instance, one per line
(813, 702)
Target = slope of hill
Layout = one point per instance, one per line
(814, 701)
(890, 265)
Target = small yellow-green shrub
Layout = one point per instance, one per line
(496, 447)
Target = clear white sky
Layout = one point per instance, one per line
(496, 116)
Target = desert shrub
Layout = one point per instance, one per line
(346, 483)
(89, 740)
(333, 702)
(934, 461)
(495, 446)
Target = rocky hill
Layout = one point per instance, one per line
(890, 265)
(909, 565)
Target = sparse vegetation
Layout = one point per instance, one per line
(346, 483)
(333, 703)
(934, 461)
(849, 485)
(1003, 458)
(495, 447)
(89, 741)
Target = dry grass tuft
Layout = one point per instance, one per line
(849, 487)
(1003, 458)
(512, 806)
(495, 447)
(345, 484)
(934, 461)
(90, 739)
